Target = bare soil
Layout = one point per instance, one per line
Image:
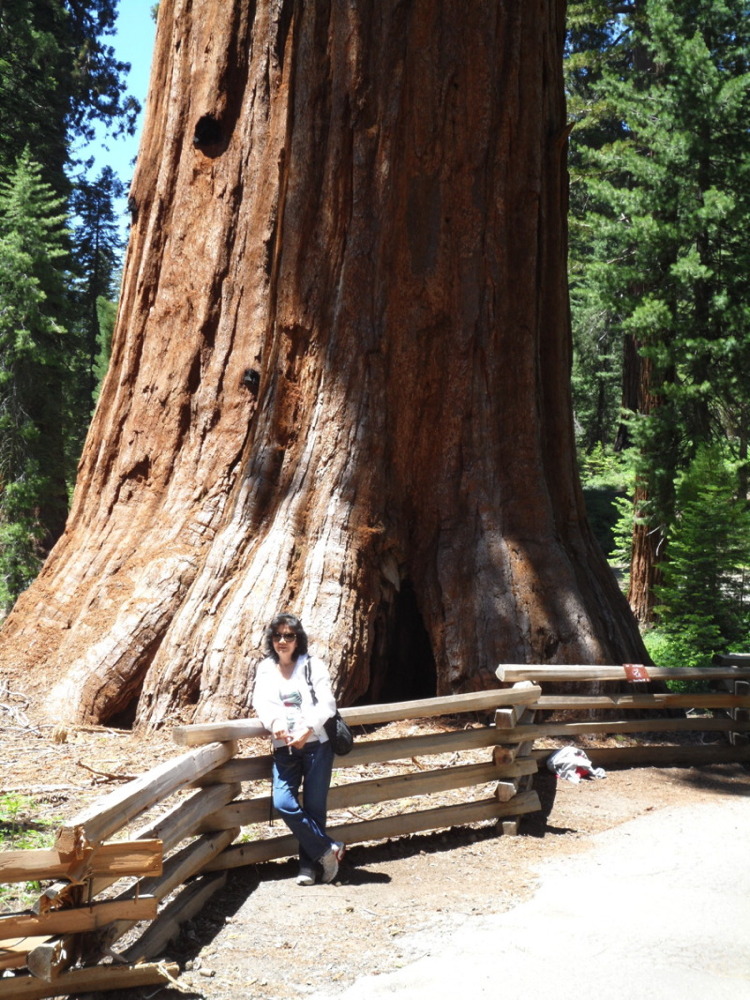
(264, 936)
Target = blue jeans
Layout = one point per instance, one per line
(311, 767)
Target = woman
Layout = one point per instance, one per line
(284, 702)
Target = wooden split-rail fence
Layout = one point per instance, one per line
(164, 871)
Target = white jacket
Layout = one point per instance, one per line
(270, 707)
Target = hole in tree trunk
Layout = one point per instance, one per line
(209, 136)
(406, 669)
(121, 711)
(125, 718)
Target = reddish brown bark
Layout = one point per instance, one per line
(647, 547)
(373, 219)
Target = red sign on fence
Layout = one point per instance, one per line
(636, 672)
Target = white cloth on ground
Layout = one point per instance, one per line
(572, 764)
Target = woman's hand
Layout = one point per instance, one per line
(299, 741)
(280, 732)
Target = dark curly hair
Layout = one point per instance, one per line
(295, 625)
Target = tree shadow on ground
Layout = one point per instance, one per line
(719, 778)
(198, 933)
(356, 869)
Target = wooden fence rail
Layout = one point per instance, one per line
(731, 676)
(201, 813)
(195, 836)
(513, 672)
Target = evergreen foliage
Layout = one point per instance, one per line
(97, 247)
(704, 598)
(607, 486)
(660, 282)
(107, 314)
(59, 79)
(33, 499)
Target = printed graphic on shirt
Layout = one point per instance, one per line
(292, 702)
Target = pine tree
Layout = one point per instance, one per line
(58, 78)
(97, 246)
(704, 599)
(659, 248)
(33, 498)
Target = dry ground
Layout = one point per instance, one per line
(264, 937)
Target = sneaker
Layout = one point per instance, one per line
(340, 850)
(330, 863)
(306, 877)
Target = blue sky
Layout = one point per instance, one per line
(133, 43)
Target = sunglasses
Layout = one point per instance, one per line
(285, 636)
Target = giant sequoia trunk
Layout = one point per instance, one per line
(339, 379)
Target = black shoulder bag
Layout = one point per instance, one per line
(337, 731)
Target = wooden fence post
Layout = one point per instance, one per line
(518, 716)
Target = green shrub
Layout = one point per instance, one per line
(703, 602)
(672, 650)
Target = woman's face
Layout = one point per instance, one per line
(284, 641)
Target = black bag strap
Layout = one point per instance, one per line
(308, 678)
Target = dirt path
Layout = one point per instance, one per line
(653, 910)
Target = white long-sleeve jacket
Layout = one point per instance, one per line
(272, 690)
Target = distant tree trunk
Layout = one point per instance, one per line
(645, 573)
(647, 538)
(340, 374)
